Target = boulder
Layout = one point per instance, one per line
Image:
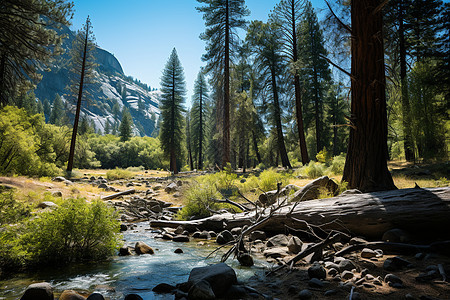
(163, 288)
(219, 276)
(46, 204)
(396, 235)
(316, 283)
(132, 297)
(346, 275)
(71, 295)
(245, 259)
(257, 235)
(368, 253)
(295, 245)
(157, 187)
(180, 238)
(224, 237)
(179, 230)
(305, 294)
(346, 265)
(236, 231)
(57, 194)
(38, 291)
(317, 271)
(204, 235)
(171, 188)
(392, 278)
(178, 251)
(102, 186)
(156, 209)
(275, 252)
(143, 248)
(95, 296)
(278, 240)
(125, 251)
(201, 290)
(395, 263)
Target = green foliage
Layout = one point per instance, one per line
(118, 174)
(337, 164)
(11, 210)
(125, 125)
(323, 156)
(198, 198)
(74, 231)
(312, 170)
(198, 119)
(269, 178)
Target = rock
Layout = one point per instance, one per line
(236, 292)
(212, 233)
(295, 245)
(346, 265)
(171, 188)
(125, 251)
(156, 209)
(133, 297)
(71, 295)
(178, 251)
(356, 296)
(275, 252)
(305, 294)
(219, 276)
(346, 275)
(332, 271)
(176, 195)
(163, 288)
(38, 291)
(257, 235)
(123, 227)
(157, 187)
(317, 271)
(167, 236)
(95, 296)
(396, 235)
(351, 192)
(410, 297)
(395, 263)
(57, 194)
(104, 288)
(46, 204)
(278, 240)
(357, 241)
(428, 276)
(224, 237)
(316, 283)
(245, 259)
(181, 238)
(196, 234)
(201, 290)
(392, 278)
(179, 230)
(204, 235)
(102, 186)
(236, 231)
(330, 293)
(143, 248)
(368, 253)
(331, 265)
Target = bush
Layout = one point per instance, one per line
(337, 164)
(119, 174)
(198, 199)
(269, 178)
(74, 231)
(11, 210)
(312, 170)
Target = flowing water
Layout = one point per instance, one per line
(128, 274)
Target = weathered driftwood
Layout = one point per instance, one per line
(313, 189)
(370, 215)
(113, 196)
(269, 198)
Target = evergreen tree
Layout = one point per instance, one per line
(315, 72)
(264, 40)
(39, 107)
(222, 18)
(189, 140)
(141, 104)
(28, 41)
(107, 129)
(116, 109)
(57, 112)
(84, 126)
(47, 110)
(287, 14)
(337, 109)
(82, 65)
(173, 90)
(125, 125)
(198, 119)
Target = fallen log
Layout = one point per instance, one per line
(113, 196)
(416, 210)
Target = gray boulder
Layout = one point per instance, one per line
(143, 248)
(317, 271)
(257, 235)
(201, 290)
(171, 188)
(278, 240)
(38, 291)
(295, 245)
(219, 276)
(224, 237)
(180, 238)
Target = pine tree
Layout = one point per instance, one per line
(315, 72)
(189, 140)
(47, 110)
(287, 14)
(84, 126)
(82, 68)
(198, 119)
(125, 125)
(28, 41)
(57, 112)
(264, 40)
(222, 18)
(141, 104)
(173, 90)
(107, 129)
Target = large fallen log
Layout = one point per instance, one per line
(416, 210)
(113, 196)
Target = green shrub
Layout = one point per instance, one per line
(269, 178)
(136, 169)
(11, 210)
(74, 231)
(337, 164)
(118, 174)
(323, 156)
(198, 199)
(312, 170)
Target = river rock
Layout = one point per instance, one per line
(305, 294)
(204, 235)
(357, 241)
(46, 204)
(71, 295)
(277, 241)
(236, 292)
(245, 259)
(224, 237)
(125, 251)
(201, 290)
(171, 188)
(179, 230)
(143, 248)
(236, 231)
(257, 235)
(317, 271)
(57, 194)
(181, 238)
(38, 291)
(133, 297)
(392, 278)
(368, 253)
(95, 296)
(395, 263)
(295, 245)
(219, 276)
(275, 252)
(178, 251)
(346, 265)
(163, 288)
(346, 275)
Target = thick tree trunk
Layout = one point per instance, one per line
(317, 110)
(277, 115)
(226, 95)
(419, 211)
(255, 147)
(367, 153)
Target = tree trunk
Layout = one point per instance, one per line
(226, 95)
(419, 211)
(319, 146)
(200, 142)
(173, 162)
(408, 143)
(277, 115)
(77, 113)
(367, 153)
(255, 147)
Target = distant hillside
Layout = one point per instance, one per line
(112, 84)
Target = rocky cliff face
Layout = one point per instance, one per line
(112, 87)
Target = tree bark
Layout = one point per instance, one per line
(367, 153)
(226, 95)
(420, 211)
(200, 142)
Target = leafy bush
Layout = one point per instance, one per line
(324, 156)
(119, 174)
(11, 210)
(312, 170)
(74, 231)
(198, 199)
(337, 164)
(269, 178)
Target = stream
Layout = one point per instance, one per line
(128, 274)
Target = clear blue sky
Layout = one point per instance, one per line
(142, 33)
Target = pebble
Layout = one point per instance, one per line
(346, 275)
(392, 278)
(305, 294)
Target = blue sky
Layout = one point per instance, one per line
(142, 33)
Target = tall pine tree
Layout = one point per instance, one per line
(198, 118)
(173, 90)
